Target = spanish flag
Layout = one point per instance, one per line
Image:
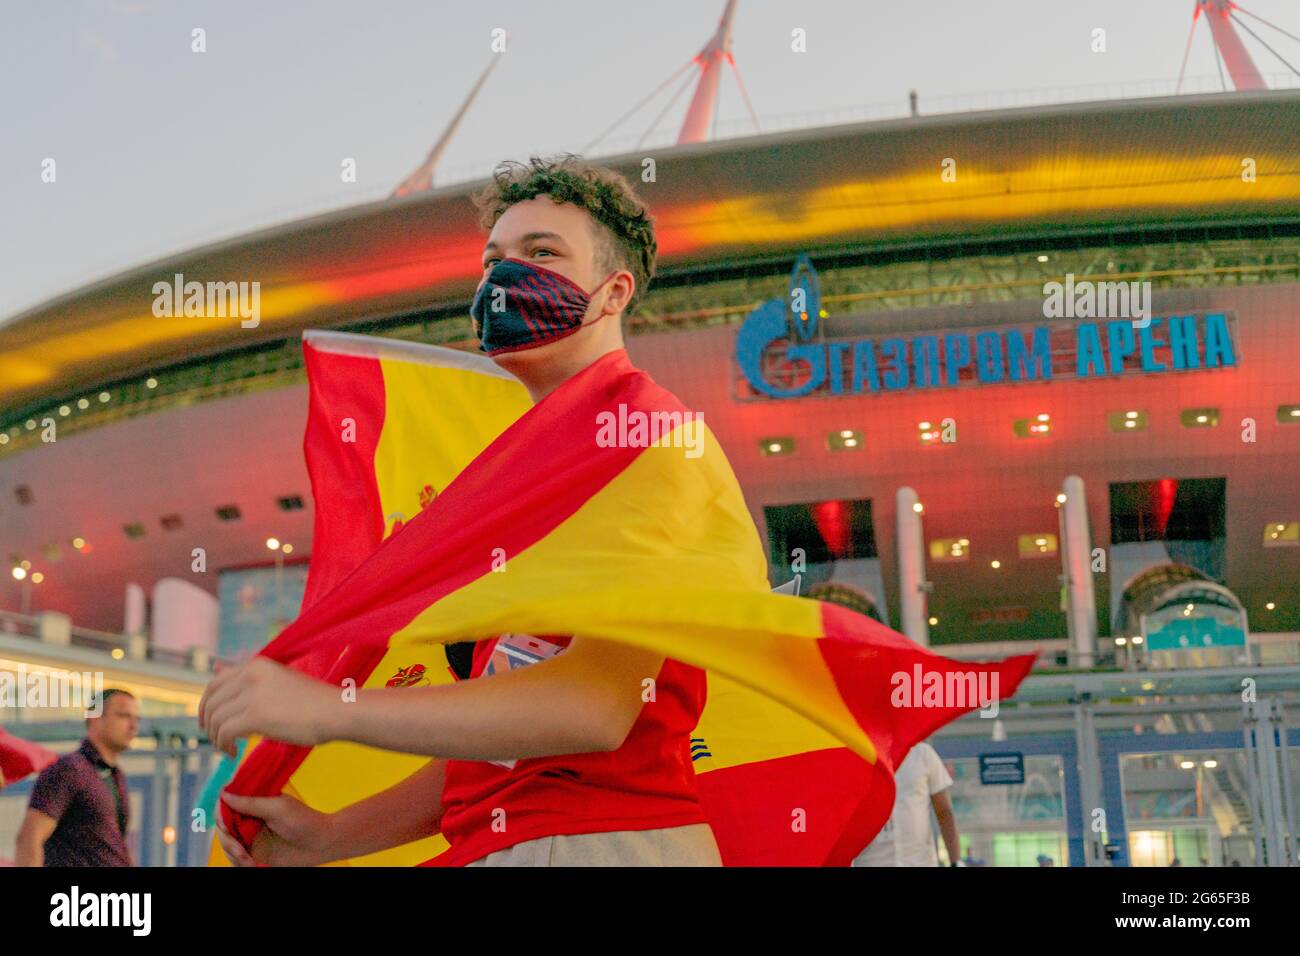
(20, 758)
(449, 508)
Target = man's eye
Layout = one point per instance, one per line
(538, 252)
(489, 263)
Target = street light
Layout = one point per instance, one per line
(25, 585)
(281, 549)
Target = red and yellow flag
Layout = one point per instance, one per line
(448, 508)
(20, 758)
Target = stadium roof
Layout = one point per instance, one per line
(1055, 173)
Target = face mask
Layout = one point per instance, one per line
(536, 306)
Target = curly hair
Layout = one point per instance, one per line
(844, 596)
(625, 231)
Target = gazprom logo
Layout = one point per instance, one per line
(794, 318)
(1010, 354)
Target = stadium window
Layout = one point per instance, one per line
(1288, 414)
(228, 513)
(1200, 417)
(1168, 509)
(133, 530)
(171, 522)
(1040, 426)
(776, 446)
(944, 550)
(1282, 534)
(1126, 421)
(844, 440)
(1037, 545)
(290, 503)
(824, 531)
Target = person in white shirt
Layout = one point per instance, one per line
(922, 782)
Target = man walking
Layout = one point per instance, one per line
(922, 782)
(78, 811)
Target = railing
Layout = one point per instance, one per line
(122, 647)
(1263, 648)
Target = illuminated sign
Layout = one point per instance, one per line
(1092, 349)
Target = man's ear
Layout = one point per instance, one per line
(622, 288)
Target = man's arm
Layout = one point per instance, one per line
(581, 701)
(947, 824)
(36, 829)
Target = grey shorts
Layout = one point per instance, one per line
(672, 846)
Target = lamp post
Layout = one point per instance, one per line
(273, 544)
(25, 583)
(281, 548)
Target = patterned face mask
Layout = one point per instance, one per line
(521, 306)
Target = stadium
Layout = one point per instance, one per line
(1003, 380)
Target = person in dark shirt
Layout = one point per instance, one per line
(78, 812)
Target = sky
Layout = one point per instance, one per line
(158, 148)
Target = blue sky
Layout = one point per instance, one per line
(160, 149)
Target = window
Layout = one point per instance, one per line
(1040, 426)
(776, 446)
(1199, 417)
(1130, 420)
(950, 549)
(824, 530)
(1168, 509)
(846, 439)
(1040, 545)
(1282, 534)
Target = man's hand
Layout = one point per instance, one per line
(294, 834)
(263, 697)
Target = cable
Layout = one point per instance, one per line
(1267, 24)
(1262, 43)
(744, 93)
(1191, 34)
(1218, 62)
(629, 113)
(664, 111)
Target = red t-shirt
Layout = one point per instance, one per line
(646, 784)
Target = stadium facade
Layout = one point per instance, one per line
(943, 355)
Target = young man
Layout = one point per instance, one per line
(547, 755)
(78, 812)
(922, 782)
